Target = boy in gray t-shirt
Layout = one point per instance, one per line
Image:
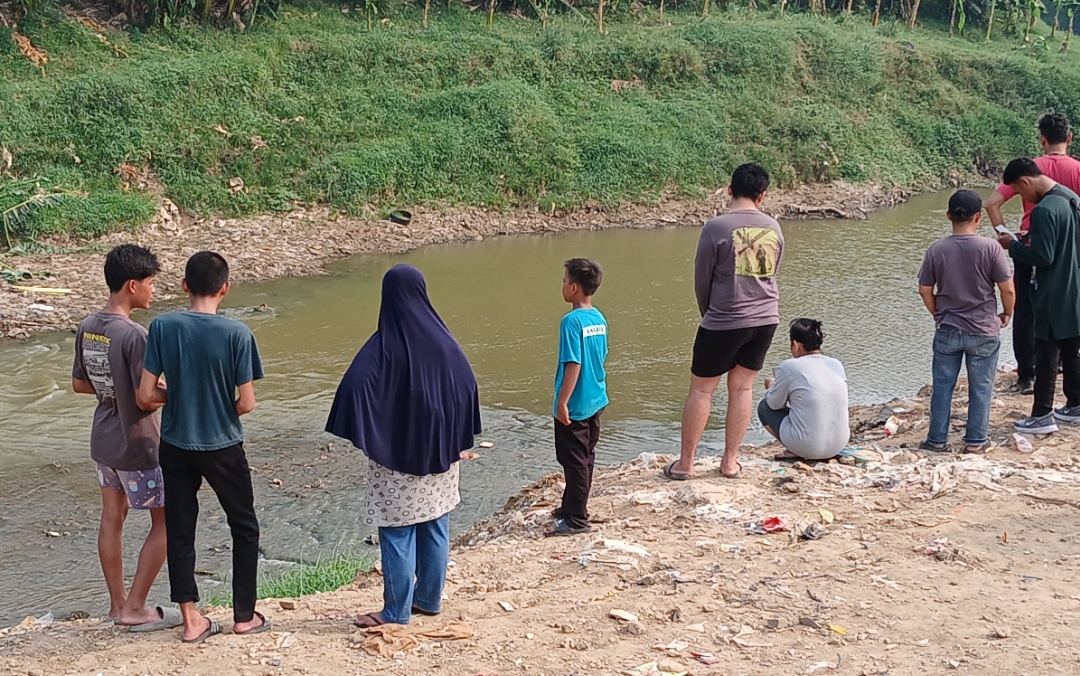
(124, 439)
(957, 282)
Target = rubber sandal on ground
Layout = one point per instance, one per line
(562, 528)
(977, 449)
(265, 626)
(676, 476)
(417, 610)
(170, 618)
(369, 620)
(213, 630)
(786, 457)
(926, 445)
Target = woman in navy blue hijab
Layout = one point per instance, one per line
(409, 401)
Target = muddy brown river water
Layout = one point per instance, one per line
(501, 299)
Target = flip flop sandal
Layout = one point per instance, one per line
(784, 457)
(213, 630)
(676, 476)
(561, 528)
(926, 445)
(732, 476)
(977, 449)
(417, 610)
(265, 626)
(368, 621)
(170, 618)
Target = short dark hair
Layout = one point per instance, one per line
(1020, 168)
(127, 262)
(749, 180)
(1054, 127)
(964, 205)
(807, 332)
(206, 273)
(586, 273)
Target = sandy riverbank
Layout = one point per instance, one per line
(924, 565)
(304, 241)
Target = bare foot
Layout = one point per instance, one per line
(193, 630)
(244, 627)
(139, 616)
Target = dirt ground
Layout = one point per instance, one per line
(301, 243)
(906, 564)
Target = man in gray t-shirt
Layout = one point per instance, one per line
(735, 269)
(956, 282)
(124, 439)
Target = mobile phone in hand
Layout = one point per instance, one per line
(1002, 230)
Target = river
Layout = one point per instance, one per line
(501, 298)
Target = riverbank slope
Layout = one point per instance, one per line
(906, 565)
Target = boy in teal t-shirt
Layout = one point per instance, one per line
(580, 393)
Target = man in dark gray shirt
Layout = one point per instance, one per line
(957, 283)
(735, 283)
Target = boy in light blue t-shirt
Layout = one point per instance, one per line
(580, 393)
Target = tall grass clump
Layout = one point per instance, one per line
(304, 579)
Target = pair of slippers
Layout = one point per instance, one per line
(670, 473)
(213, 629)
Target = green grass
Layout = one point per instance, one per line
(511, 115)
(304, 579)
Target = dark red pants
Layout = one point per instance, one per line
(575, 449)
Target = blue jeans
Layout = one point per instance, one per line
(951, 348)
(414, 560)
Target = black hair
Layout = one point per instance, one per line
(206, 273)
(127, 262)
(1054, 127)
(807, 332)
(749, 180)
(586, 273)
(1020, 168)
(964, 205)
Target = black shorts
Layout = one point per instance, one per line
(717, 352)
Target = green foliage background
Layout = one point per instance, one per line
(510, 114)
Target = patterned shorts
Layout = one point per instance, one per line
(144, 488)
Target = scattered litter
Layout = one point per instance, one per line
(923, 642)
(486, 444)
(286, 639)
(506, 606)
(388, 640)
(1021, 443)
(659, 499)
(742, 641)
(706, 658)
(943, 550)
(837, 629)
(699, 627)
(825, 665)
(653, 669)
(623, 615)
(893, 425)
(678, 645)
(718, 513)
(41, 308)
(827, 517)
(861, 454)
(770, 524)
(647, 459)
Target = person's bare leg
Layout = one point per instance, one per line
(740, 409)
(770, 431)
(114, 508)
(194, 623)
(151, 558)
(695, 418)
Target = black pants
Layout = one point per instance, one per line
(1047, 355)
(228, 474)
(1023, 323)
(575, 449)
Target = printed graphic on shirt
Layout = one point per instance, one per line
(594, 330)
(756, 251)
(95, 350)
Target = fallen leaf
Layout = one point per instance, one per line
(222, 130)
(236, 184)
(258, 142)
(826, 515)
(5, 157)
(837, 629)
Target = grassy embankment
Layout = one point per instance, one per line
(509, 115)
